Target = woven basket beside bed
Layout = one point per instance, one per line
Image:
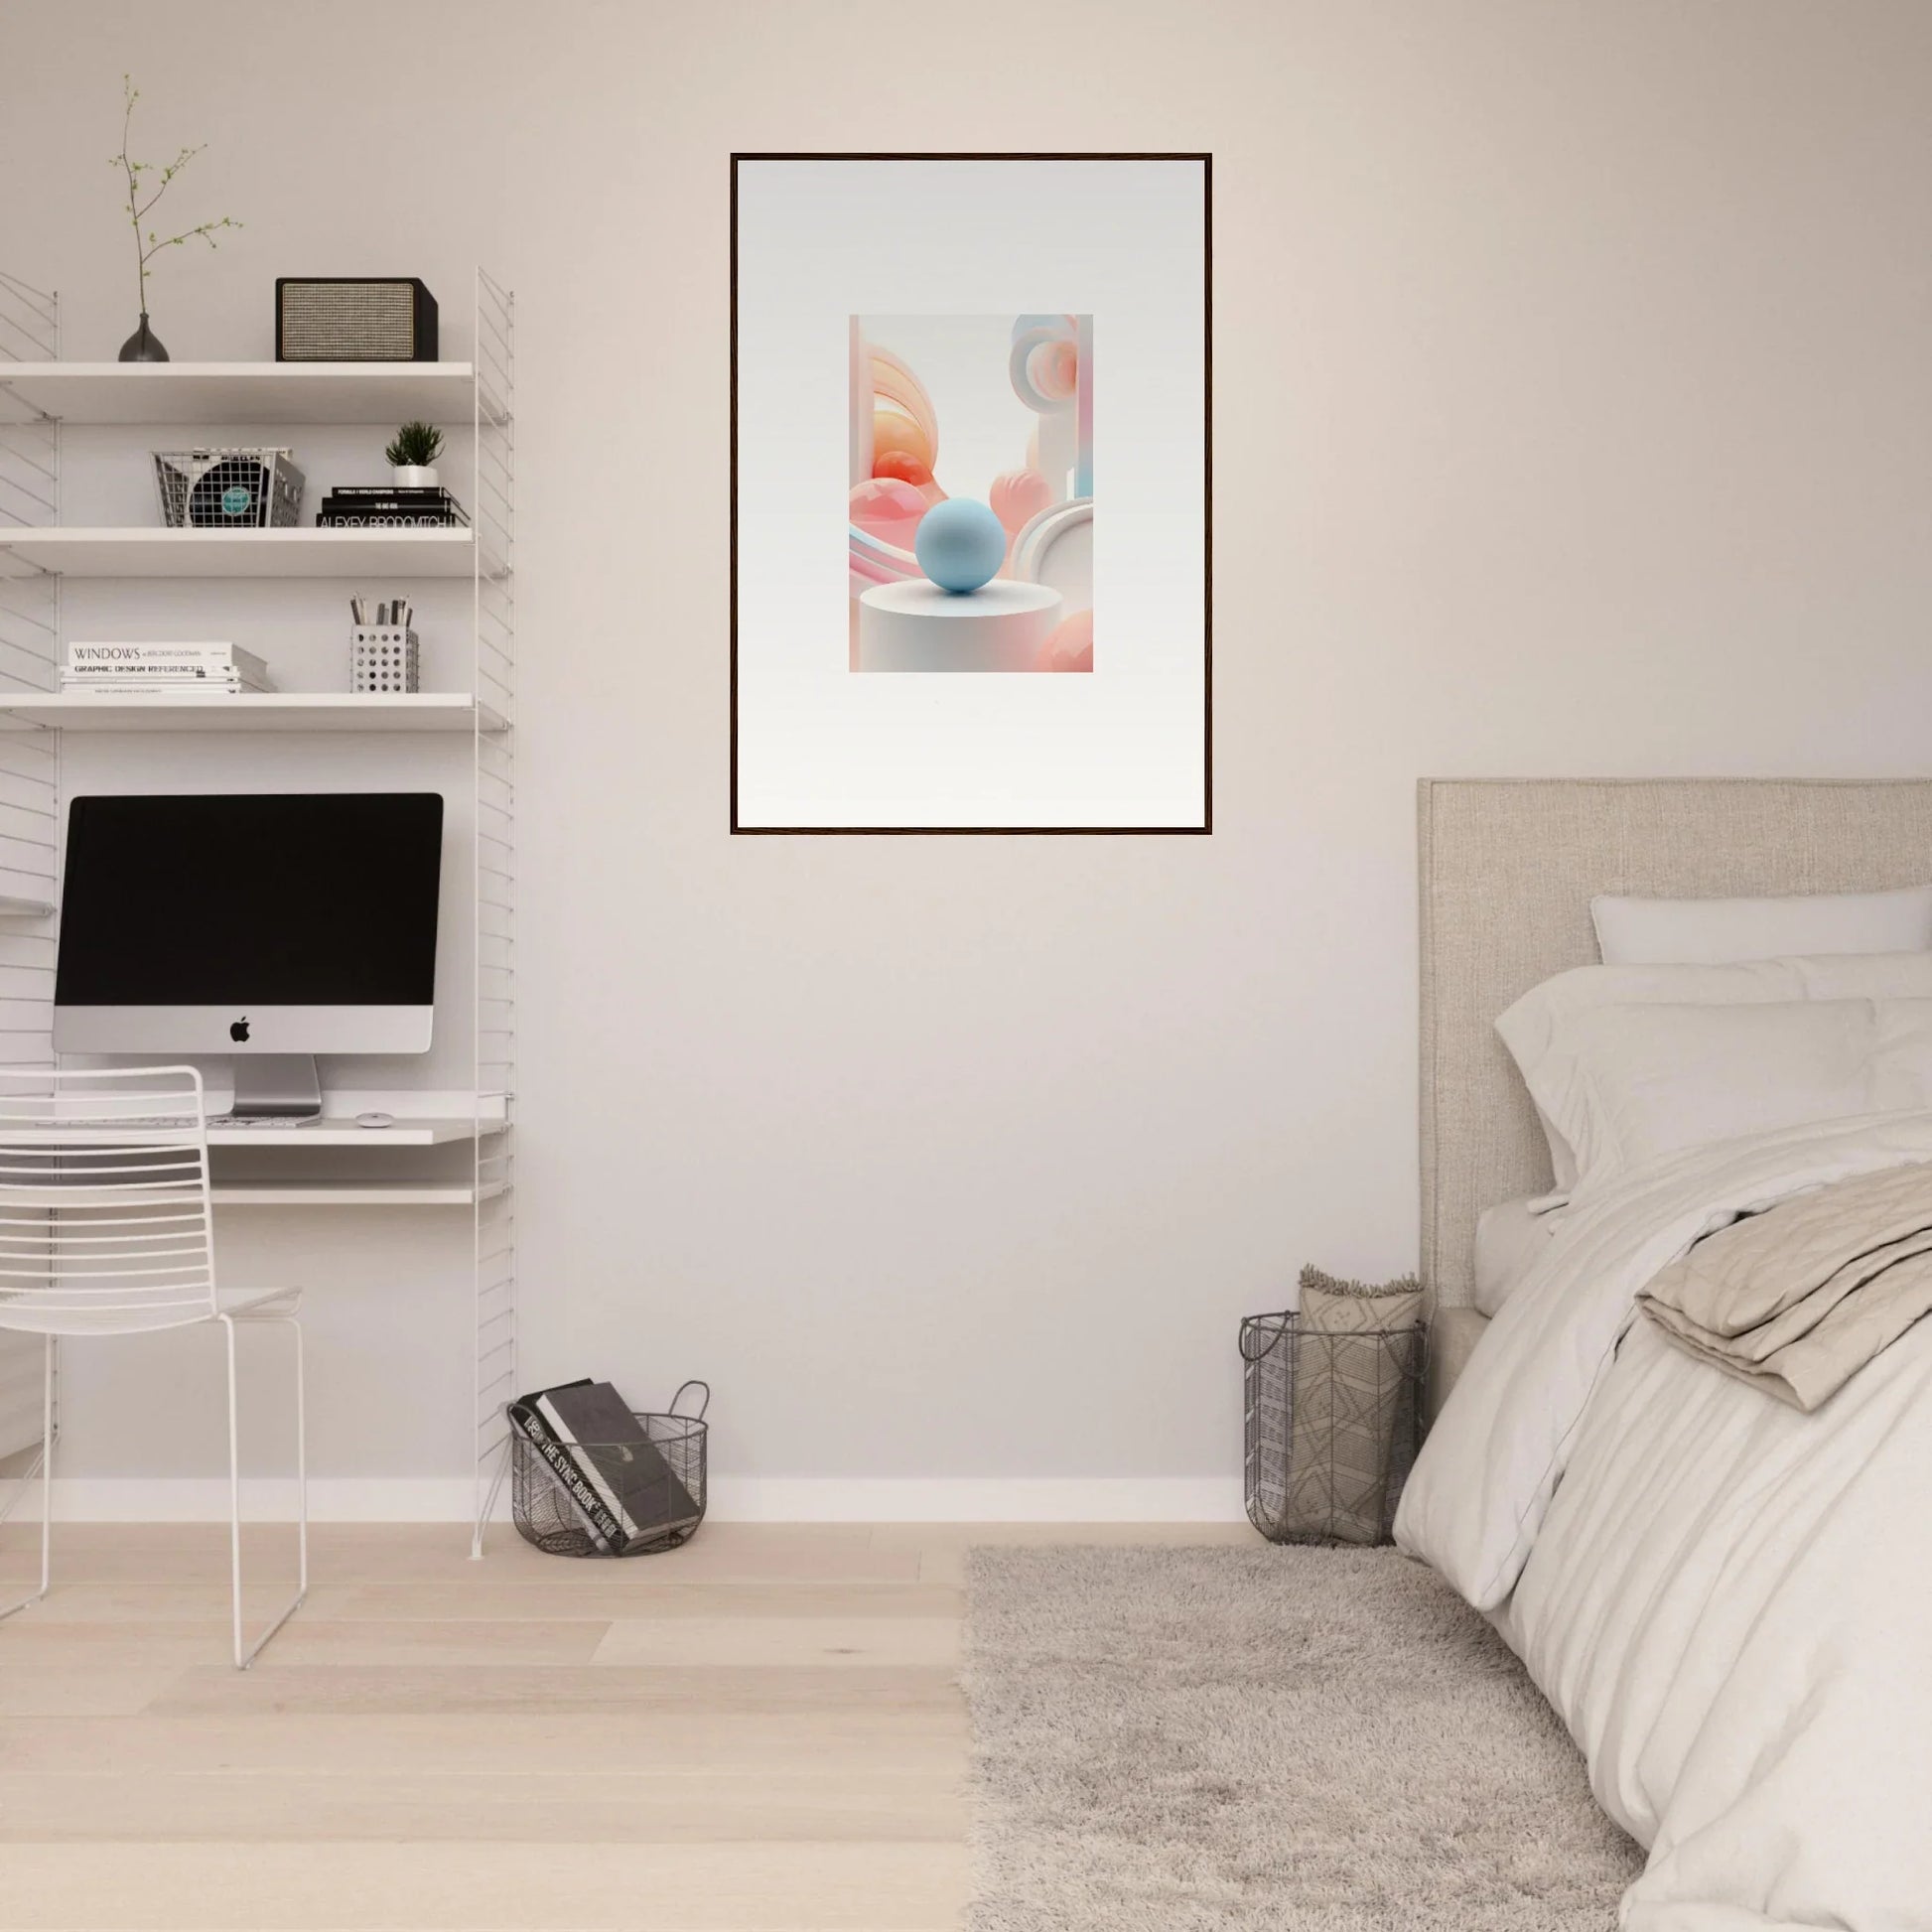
(1334, 1401)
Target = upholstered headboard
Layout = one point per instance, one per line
(1508, 867)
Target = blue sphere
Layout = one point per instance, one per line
(960, 544)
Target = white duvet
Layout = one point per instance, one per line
(1728, 1602)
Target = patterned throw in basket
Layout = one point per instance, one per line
(1332, 1407)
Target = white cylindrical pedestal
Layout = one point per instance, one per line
(919, 628)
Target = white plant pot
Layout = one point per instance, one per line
(414, 475)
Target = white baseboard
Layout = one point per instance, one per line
(733, 1499)
(204, 1499)
(968, 1499)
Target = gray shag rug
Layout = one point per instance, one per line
(1301, 1740)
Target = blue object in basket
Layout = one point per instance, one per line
(960, 544)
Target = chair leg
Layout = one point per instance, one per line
(245, 1656)
(46, 1485)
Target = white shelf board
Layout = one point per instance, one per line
(302, 552)
(347, 1193)
(264, 711)
(331, 1130)
(379, 393)
(24, 908)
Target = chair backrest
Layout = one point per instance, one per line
(105, 1220)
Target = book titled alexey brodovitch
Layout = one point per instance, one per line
(628, 1496)
(378, 506)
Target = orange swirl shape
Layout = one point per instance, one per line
(894, 384)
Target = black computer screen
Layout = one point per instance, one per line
(275, 899)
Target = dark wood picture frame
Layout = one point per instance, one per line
(1206, 826)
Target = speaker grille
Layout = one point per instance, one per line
(348, 322)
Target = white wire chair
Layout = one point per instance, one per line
(106, 1228)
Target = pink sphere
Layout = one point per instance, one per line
(889, 510)
(907, 468)
(1070, 647)
(1018, 498)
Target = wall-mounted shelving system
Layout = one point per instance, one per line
(40, 396)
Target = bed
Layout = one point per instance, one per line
(1725, 1598)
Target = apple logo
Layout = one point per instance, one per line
(239, 1030)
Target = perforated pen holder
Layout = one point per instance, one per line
(383, 657)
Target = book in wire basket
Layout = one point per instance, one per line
(590, 1477)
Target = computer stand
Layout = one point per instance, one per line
(276, 1087)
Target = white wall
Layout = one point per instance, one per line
(1574, 401)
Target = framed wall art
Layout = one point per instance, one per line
(971, 460)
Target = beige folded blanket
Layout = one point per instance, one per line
(1800, 1298)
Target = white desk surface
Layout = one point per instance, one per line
(330, 1131)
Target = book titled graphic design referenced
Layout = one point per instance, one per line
(162, 666)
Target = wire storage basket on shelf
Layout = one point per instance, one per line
(227, 489)
(548, 1513)
(1332, 1427)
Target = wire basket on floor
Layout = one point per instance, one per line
(547, 1515)
(1332, 1427)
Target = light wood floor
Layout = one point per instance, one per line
(759, 1733)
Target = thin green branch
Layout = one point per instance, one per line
(146, 249)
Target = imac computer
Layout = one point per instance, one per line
(266, 927)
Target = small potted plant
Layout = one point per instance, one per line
(412, 455)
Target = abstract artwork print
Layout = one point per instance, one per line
(970, 516)
(976, 349)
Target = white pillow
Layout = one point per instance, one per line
(1531, 1026)
(1511, 1238)
(1626, 1085)
(1714, 931)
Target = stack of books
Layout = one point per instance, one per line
(387, 507)
(626, 1494)
(123, 668)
